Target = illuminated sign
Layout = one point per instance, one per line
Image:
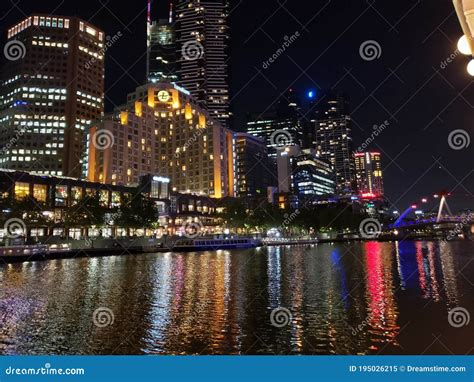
(163, 96)
(161, 179)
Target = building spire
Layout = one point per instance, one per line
(148, 40)
(171, 12)
(149, 12)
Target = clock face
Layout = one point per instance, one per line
(163, 96)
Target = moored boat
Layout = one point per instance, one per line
(212, 244)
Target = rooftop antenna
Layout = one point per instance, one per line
(171, 12)
(148, 40)
(149, 12)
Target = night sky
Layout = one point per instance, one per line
(406, 86)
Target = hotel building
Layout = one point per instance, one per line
(202, 39)
(163, 130)
(369, 174)
(52, 90)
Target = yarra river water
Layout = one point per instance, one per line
(358, 298)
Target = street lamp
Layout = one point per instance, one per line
(463, 46)
(465, 12)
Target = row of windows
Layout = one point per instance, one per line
(65, 195)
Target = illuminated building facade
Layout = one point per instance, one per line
(56, 194)
(51, 93)
(161, 57)
(280, 126)
(202, 39)
(369, 174)
(333, 140)
(312, 176)
(304, 174)
(253, 169)
(163, 130)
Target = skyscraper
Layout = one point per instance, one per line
(304, 174)
(52, 91)
(280, 126)
(333, 139)
(161, 45)
(369, 174)
(253, 169)
(202, 36)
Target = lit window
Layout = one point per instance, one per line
(40, 192)
(22, 190)
(61, 196)
(91, 31)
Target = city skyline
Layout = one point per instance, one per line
(421, 171)
(239, 178)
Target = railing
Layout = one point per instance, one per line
(431, 221)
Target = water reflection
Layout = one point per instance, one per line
(344, 299)
(382, 308)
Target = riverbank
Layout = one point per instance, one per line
(133, 246)
(81, 248)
